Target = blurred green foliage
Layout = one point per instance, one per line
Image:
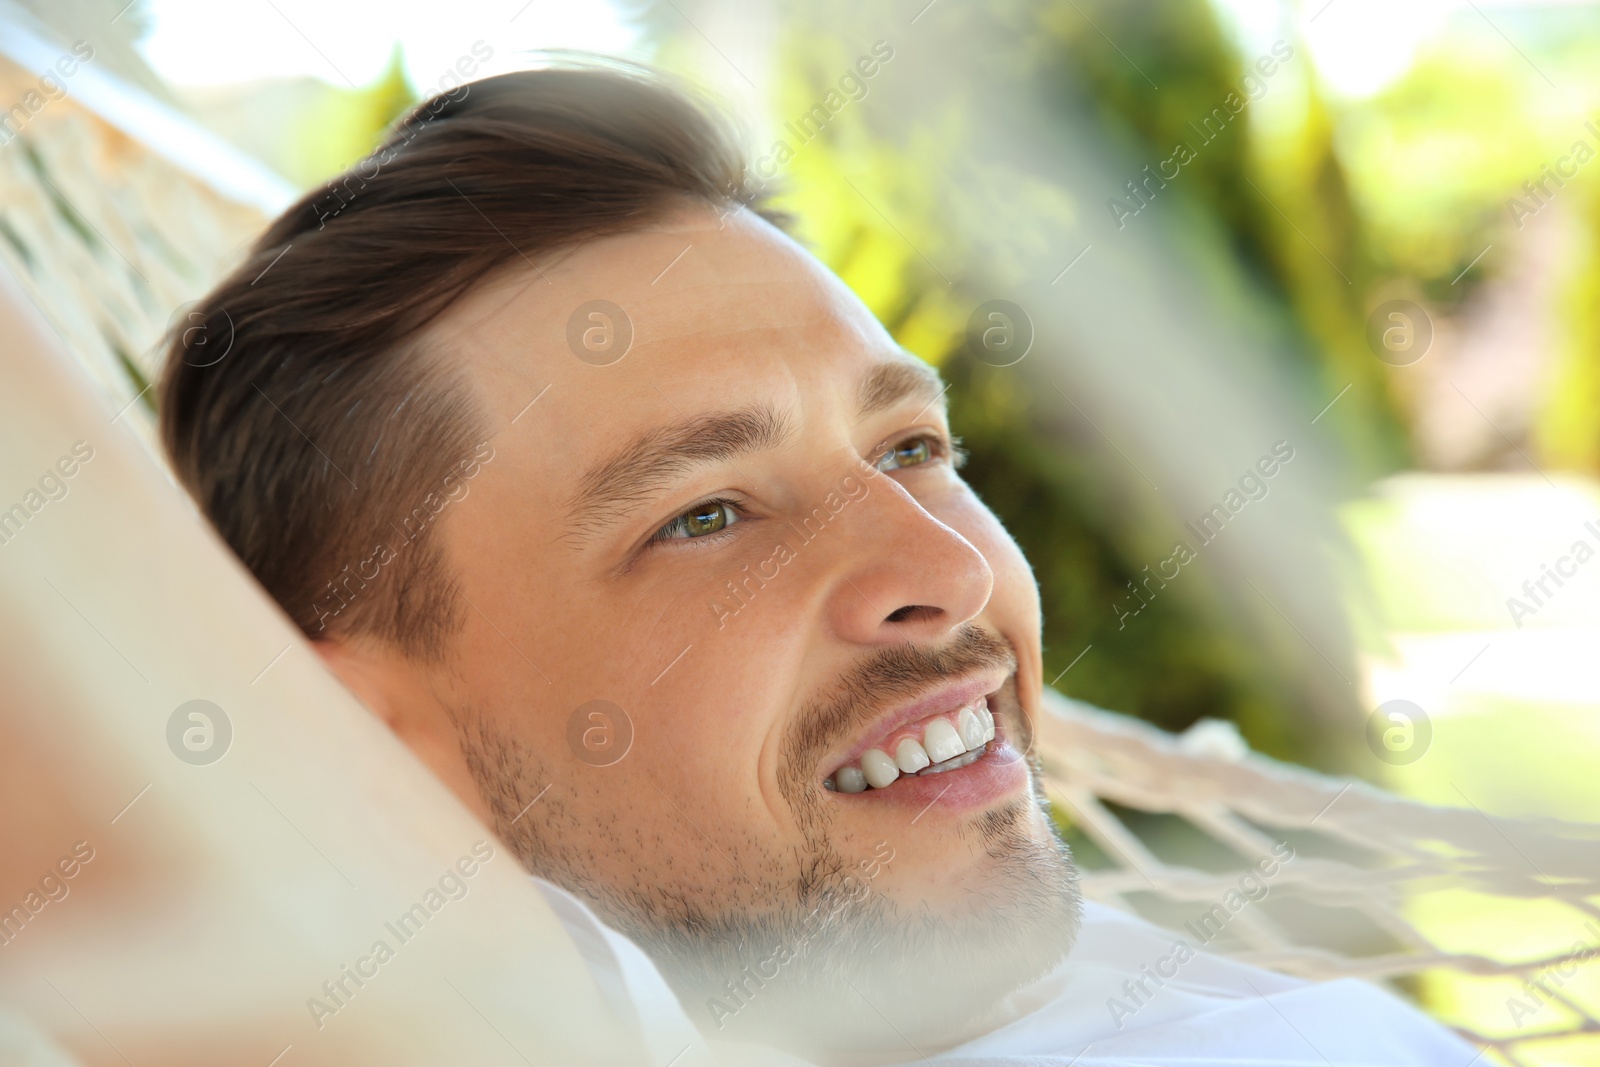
(1442, 162)
(1281, 197)
(1302, 213)
(306, 129)
(1288, 229)
(1569, 433)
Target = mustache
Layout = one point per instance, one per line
(858, 698)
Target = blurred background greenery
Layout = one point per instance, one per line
(1252, 177)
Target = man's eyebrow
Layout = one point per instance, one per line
(889, 383)
(630, 475)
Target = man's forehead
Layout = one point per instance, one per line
(691, 277)
(733, 307)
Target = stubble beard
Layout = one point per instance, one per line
(839, 970)
(806, 949)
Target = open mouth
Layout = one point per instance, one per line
(941, 742)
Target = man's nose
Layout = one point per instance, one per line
(902, 574)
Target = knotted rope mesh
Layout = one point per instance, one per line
(1378, 886)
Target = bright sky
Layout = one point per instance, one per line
(1361, 46)
(216, 42)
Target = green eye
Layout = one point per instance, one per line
(706, 519)
(907, 454)
(711, 517)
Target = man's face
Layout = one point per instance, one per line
(747, 538)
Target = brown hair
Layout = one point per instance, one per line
(322, 440)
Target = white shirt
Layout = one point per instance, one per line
(629, 982)
(1212, 1011)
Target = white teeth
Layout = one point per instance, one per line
(944, 747)
(911, 757)
(850, 780)
(970, 729)
(878, 768)
(966, 759)
(941, 741)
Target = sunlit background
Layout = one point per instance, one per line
(1439, 153)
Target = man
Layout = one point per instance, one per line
(637, 528)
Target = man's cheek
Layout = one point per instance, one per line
(712, 694)
(1016, 590)
(1013, 610)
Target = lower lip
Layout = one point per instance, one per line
(996, 776)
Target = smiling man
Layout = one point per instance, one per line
(632, 522)
(835, 737)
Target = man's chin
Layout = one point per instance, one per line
(863, 976)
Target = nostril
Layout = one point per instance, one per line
(913, 611)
